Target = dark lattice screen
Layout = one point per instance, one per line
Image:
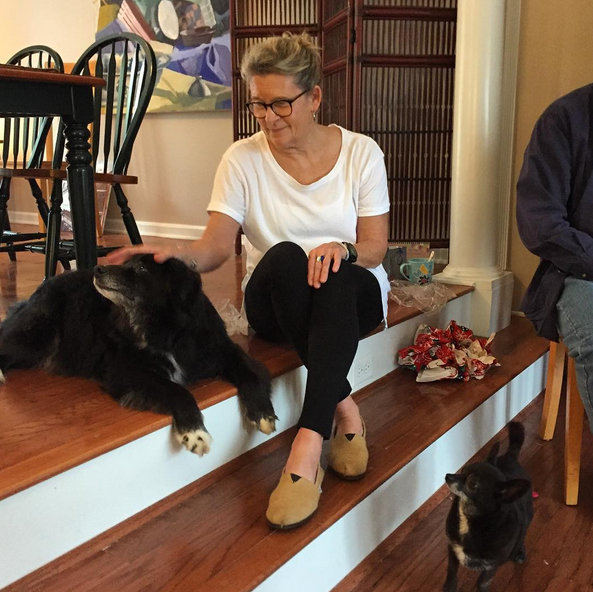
(337, 54)
(404, 65)
(388, 72)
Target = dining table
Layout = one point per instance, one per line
(41, 92)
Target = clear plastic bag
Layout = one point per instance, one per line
(430, 297)
(235, 321)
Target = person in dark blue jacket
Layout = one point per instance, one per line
(555, 221)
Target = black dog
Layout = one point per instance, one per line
(142, 330)
(491, 513)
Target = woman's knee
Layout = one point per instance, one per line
(286, 258)
(286, 250)
(283, 267)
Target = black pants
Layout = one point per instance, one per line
(324, 325)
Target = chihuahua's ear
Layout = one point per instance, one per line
(493, 453)
(512, 490)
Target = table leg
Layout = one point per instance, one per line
(54, 222)
(82, 192)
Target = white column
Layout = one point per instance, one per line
(485, 74)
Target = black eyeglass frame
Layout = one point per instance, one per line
(271, 105)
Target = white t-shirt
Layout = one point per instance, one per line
(271, 206)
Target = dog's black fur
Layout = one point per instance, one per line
(491, 512)
(143, 331)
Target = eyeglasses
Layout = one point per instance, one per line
(282, 107)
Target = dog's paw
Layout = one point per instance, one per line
(266, 425)
(196, 441)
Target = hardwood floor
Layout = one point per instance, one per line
(559, 557)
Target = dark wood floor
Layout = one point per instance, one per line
(560, 557)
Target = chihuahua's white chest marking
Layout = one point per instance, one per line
(463, 523)
(458, 550)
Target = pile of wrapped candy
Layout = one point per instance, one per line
(454, 353)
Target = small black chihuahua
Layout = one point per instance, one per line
(491, 513)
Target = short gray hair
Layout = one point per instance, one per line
(289, 55)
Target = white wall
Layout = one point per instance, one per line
(175, 155)
(67, 25)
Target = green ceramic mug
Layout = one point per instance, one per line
(420, 270)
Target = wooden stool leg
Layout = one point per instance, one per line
(553, 390)
(573, 438)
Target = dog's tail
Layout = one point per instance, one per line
(516, 438)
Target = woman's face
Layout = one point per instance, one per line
(285, 132)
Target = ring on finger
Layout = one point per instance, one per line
(320, 259)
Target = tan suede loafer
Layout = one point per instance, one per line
(294, 500)
(349, 455)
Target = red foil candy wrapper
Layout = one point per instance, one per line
(454, 353)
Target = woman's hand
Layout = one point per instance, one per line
(321, 259)
(160, 252)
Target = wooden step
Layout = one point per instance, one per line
(213, 535)
(559, 559)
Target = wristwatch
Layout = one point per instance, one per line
(352, 252)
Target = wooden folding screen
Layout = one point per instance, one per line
(337, 46)
(388, 72)
(403, 98)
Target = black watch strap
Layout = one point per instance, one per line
(352, 252)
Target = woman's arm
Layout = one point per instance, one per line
(217, 244)
(371, 240)
(205, 254)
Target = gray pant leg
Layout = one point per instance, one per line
(575, 325)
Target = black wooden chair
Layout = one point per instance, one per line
(23, 152)
(128, 65)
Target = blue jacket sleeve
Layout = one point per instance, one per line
(543, 192)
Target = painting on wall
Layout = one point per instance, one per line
(191, 41)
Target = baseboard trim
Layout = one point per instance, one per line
(160, 229)
(116, 225)
(23, 217)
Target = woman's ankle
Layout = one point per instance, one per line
(305, 454)
(347, 417)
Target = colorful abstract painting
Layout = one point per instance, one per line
(191, 41)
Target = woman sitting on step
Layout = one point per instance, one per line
(312, 201)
